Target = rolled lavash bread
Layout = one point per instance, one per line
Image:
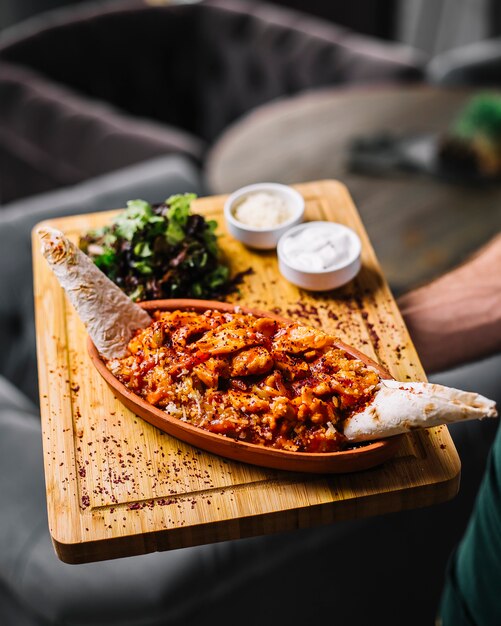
(109, 315)
(400, 407)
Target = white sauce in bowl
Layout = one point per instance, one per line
(262, 210)
(317, 248)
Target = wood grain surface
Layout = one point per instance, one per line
(117, 486)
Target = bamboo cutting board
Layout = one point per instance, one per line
(117, 486)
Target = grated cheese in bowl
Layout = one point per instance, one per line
(259, 214)
(262, 210)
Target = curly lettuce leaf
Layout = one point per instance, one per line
(134, 219)
(177, 215)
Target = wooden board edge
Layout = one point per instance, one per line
(72, 512)
(70, 222)
(253, 526)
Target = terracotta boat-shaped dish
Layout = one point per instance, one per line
(358, 458)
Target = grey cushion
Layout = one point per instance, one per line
(152, 589)
(152, 180)
(21, 478)
(51, 138)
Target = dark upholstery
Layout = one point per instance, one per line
(191, 68)
(251, 53)
(201, 66)
(152, 180)
(51, 138)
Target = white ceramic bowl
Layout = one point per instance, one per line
(334, 275)
(263, 238)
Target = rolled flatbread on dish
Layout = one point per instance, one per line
(401, 407)
(109, 315)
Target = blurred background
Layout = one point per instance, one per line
(281, 80)
(429, 26)
(101, 102)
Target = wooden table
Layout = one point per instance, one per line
(117, 486)
(419, 226)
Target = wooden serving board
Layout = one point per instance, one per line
(117, 486)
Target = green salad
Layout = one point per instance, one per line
(161, 251)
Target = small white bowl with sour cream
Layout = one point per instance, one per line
(319, 255)
(258, 215)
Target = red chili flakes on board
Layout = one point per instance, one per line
(370, 327)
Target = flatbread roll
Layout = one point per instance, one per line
(400, 407)
(110, 316)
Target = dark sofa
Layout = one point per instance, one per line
(87, 90)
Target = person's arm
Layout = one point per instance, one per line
(457, 318)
